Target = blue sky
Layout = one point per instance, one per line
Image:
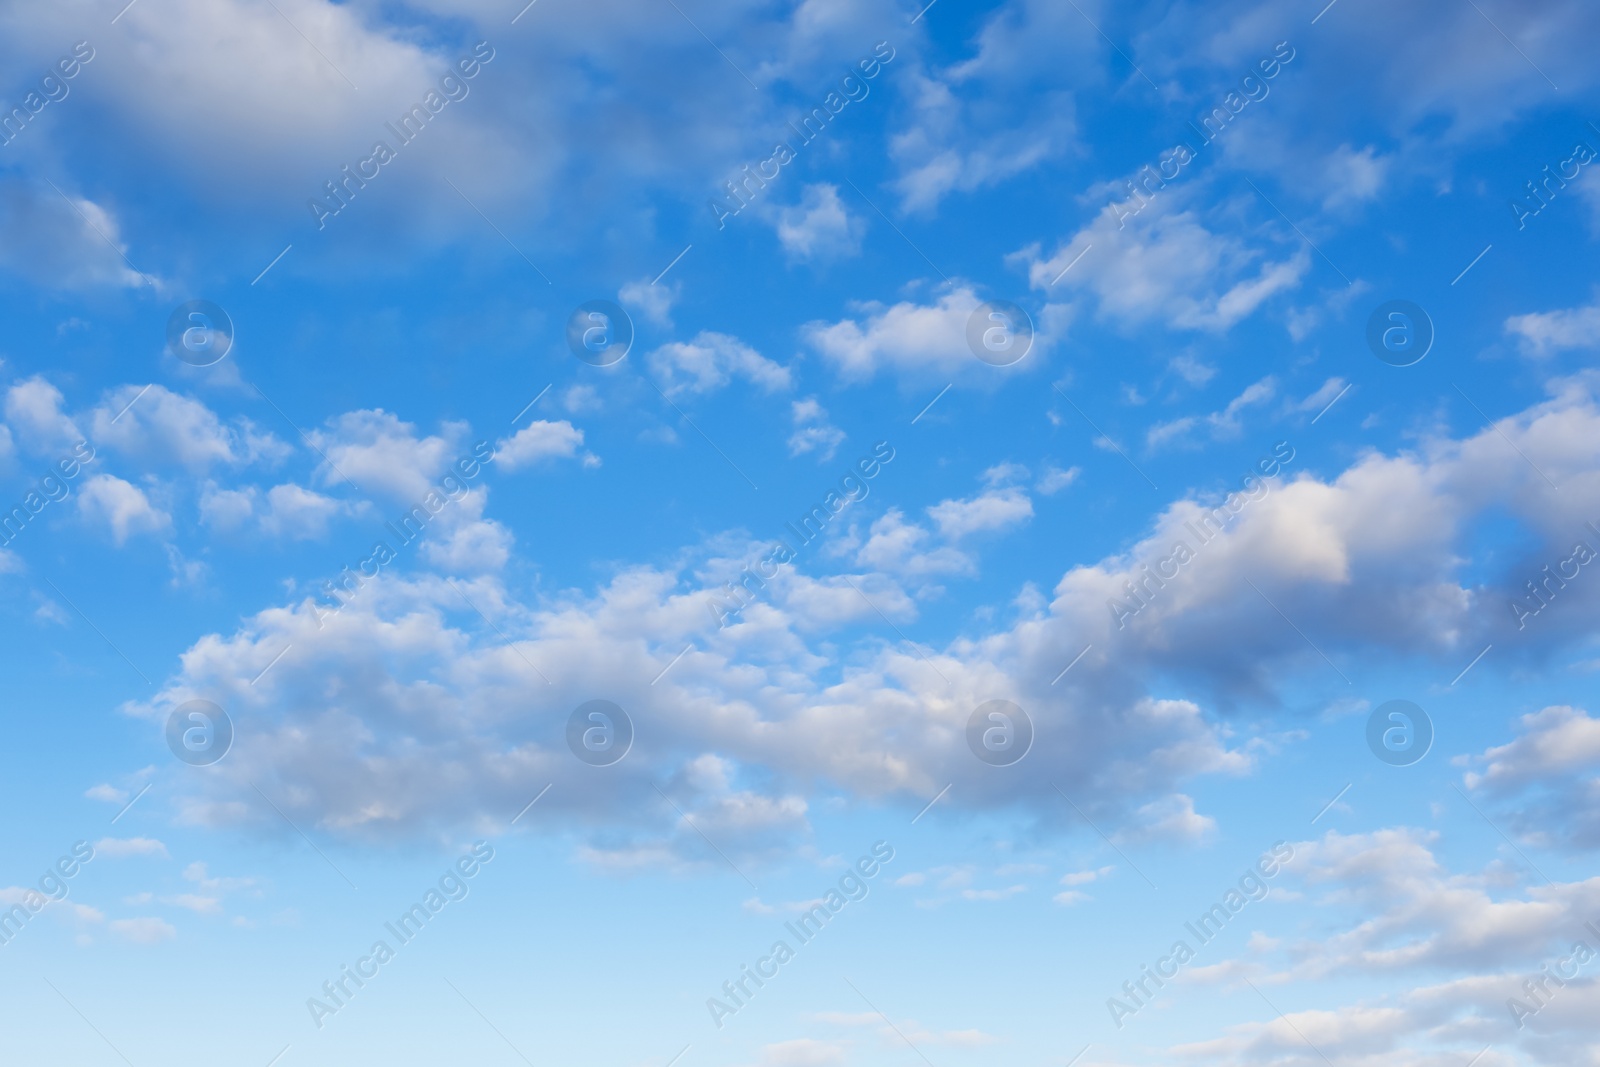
(1203, 210)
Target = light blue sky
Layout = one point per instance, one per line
(176, 527)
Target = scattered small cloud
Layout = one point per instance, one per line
(106, 792)
(812, 430)
(143, 931)
(1054, 479)
(121, 848)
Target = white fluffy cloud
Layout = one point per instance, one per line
(1542, 334)
(1165, 264)
(537, 441)
(121, 507)
(1355, 176)
(34, 412)
(812, 430)
(438, 718)
(276, 103)
(920, 341)
(290, 512)
(908, 336)
(992, 510)
(1548, 777)
(464, 542)
(907, 550)
(298, 513)
(152, 424)
(384, 455)
(429, 701)
(651, 299)
(712, 361)
(819, 227)
(285, 113)
(1391, 917)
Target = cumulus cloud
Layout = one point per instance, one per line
(280, 108)
(907, 550)
(297, 513)
(121, 507)
(711, 362)
(1548, 777)
(907, 336)
(819, 227)
(1171, 818)
(287, 115)
(34, 412)
(1166, 264)
(812, 430)
(409, 694)
(380, 453)
(1391, 918)
(540, 440)
(152, 424)
(919, 341)
(990, 511)
(464, 695)
(1355, 176)
(651, 299)
(1542, 334)
(289, 512)
(464, 542)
